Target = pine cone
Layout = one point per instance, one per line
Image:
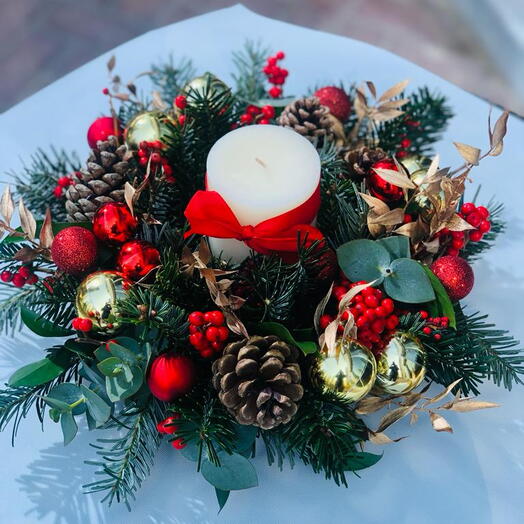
(258, 380)
(100, 182)
(308, 117)
(360, 161)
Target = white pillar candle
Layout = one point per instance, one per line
(261, 171)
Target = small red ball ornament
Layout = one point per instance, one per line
(137, 258)
(455, 274)
(170, 376)
(113, 223)
(101, 129)
(336, 100)
(74, 250)
(379, 188)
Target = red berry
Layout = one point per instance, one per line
(324, 321)
(212, 334)
(57, 191)
(6, 276)
(105, 91)
(275, 92)
(361, 308)
(467, 208)
(74, 325)
(457, 243)
(217, 345)
(206, 352)
(381, 311)
(196, 318)
(484, 226)
(361, 322)
(392, 322)
(271, 61)
(264, 121)
(483, 212)
(193, 329)
(246, 118)
(223, 333)
(182, 119)
(64, 181)
(143, 160)
(181, 101)
(405, 143)
(18, 280)
(252, 110)
(196, 339)
(371, 301)
(437, 336)
(424, 314)
(371, 314)
(178, 443)
(474, 219)
(166, 426)
(457, 234)
(475, 236)
(426, 330)
(378, 325)
(280, 55)
(32, 279)
(402, 154)
(407, 219)
(452, 252)
(85, 324)
(24, 271)
(215, 317)
(268, 111)
(168, 170)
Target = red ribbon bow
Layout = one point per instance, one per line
(209, 214)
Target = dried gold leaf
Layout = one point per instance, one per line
(394, 104)
(372, 89)
(27, 220)
(499, 132)
(375, 203)
(456, 223)
(7, 206)
(443, 393)
(46, 233)
(129, 197)
(393, 416)
(371, 404)
(111, 63)
(381, 438)
(394, 90)
(413, 418)
(158, 103)
(319, 311)
(384, 116)
(469, 153)
(464, 405)
(439, 423)
(395, 177)
(391, 218)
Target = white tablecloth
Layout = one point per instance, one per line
(475, 475)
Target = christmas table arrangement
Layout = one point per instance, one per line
(244, 272)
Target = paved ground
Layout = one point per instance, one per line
(40, 40)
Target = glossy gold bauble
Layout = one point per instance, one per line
(415, 163)
(147, 126)
(350, 370)
(205, 85)
(402, 365)
(97, 298)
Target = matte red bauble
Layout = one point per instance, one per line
(171, 376)
(101, 129)
(113, 223)
(137, 258)
(336, 100)
(74, 250)
(455, 274)
(379, 188)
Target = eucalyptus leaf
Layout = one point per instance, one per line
(397, 246)
(443, 302)
(80, 348)
(362, 460)
(363, 260)
(274, 328)
(70, 394)
(245, 437)
(234, 473)
(54, 414)
(41, 326)
(222, 497)
(118, 388)
(69, 427)
(126, 355)
(408, 282)
(190, 451)
(96, 407)
(110, 367)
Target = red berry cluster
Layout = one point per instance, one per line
(181, 102)
(82, 324)
(433, 324)
(207, 332)
(476, 216)
(62, 183)
(20, 278)
(168, 427)
(275, 74)
(150, 152)
(402, 150)
(374, 314)
(257, 115)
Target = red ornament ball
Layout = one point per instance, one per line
(101, 129)
(336, 100)
(74, 250)
(137, 258)
(455, 274)
(379, 187)
(113, 223)
(170, 376)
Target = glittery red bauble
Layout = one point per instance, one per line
(137, 258)
(379, 188)
(336, 100)
(170, 376)
(101, 129)
(74, 249)
(113, 223)
(455, 274)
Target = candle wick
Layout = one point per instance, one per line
(260, 162)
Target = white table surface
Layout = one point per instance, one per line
(475, 475)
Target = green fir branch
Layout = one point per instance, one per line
(169, 78)
(250, 81)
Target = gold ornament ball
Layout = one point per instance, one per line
(146, 126)
(207, 83)
(349, 371)
(97, 297)
(415, 163)
(402, 365)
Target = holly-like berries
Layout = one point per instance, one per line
(378, 187)
(113, 223)
(336, 100)
(171, 376)
(275, 74)
(207, 332)
(82, 324)
(433, 325)
(257, 115)
(150, 153)
(19, 278)
(168, 426)
(62, 184)
(74, 250)
(137, 258)
(455, 274)
(101, 129)
(180, 101)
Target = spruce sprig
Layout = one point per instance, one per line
(249, 78)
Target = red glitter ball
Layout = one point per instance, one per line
(137, 258)
(113, 223)
(336, 100)
(170, 376)
(455, 274)
(74, 250)
(101, 129)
